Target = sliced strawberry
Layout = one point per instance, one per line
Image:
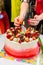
(15, 32)
(28, 35)
(18, 35)
(18, 30)
(11, 38)
(27, 39)
(37, 34)
(20, 41)
(27, 31)
(34, 38)
(33, 34)
(22, 38)
(12, 32)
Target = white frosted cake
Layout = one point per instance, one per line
(20, 43)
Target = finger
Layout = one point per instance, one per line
(35, 16)
(17, 19)
(32, 23)
(16, 24)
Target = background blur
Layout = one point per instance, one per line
(12, 8)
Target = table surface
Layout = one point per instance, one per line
(4, 61)
(9, 62)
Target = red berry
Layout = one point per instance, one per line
(8, 36)
(33, 34)
(28, 35)
(20, 41)
(37, 34)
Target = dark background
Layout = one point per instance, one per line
(8, 10)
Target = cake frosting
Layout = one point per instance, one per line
(24, 45)
(20, 41)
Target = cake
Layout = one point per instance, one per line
(20, 43)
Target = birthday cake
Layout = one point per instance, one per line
(20, 43)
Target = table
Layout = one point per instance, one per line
(4, 61)
(8, 62)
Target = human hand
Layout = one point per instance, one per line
(17, 21)
(35, 21)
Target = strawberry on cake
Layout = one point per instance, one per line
(20, 43)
